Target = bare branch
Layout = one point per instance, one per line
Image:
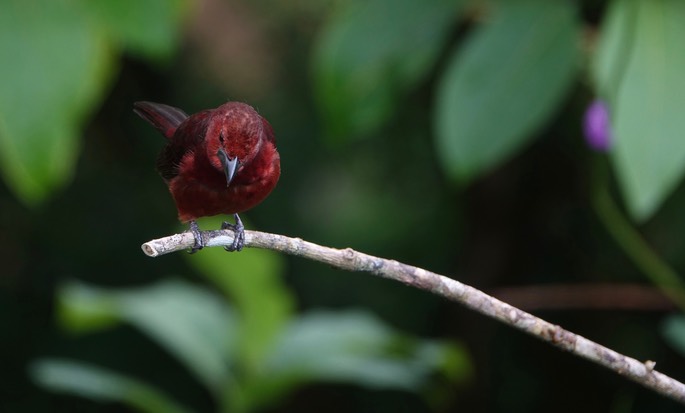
(351, 260)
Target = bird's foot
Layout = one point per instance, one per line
(239, 230)
(199, 243)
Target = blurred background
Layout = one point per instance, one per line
(531, 149)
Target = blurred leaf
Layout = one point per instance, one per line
(55, 67)
(371, 53)
(613, 50)
(95, 383)
(190, 322)
(504, 83)
(84, 309)
(57, 61)
(674, 332)
(148, 27)
(352, 347)
(649, 84)
(252, 280)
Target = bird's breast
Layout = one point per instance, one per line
(201, 195)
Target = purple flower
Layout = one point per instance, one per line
(597, 126)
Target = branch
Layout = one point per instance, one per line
(351, 260)
(595, 296)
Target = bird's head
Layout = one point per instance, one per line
(234, 137)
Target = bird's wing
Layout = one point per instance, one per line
(189, 137)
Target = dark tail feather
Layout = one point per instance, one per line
(164, 118)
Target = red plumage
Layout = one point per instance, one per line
(218, 161)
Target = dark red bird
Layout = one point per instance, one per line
(218, 161)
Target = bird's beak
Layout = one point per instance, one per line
(229, 165)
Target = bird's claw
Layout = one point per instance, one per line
(238, 240)
(199, 242)
(239, 231)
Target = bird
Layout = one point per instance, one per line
(216, 161)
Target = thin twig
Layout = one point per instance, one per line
(584, 296)
(351, 260)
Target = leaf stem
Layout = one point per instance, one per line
(658, 271)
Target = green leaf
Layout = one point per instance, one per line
(55, 67)
(148, 27)
(504, 83)
(83, 309)
(352, 347)
(674, 332)
(370, 54)
(613, 50)
(648, 124)
(191, 323)
(99, 384)
(252, 281)
(57, 61)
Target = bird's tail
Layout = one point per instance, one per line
(164, 118)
